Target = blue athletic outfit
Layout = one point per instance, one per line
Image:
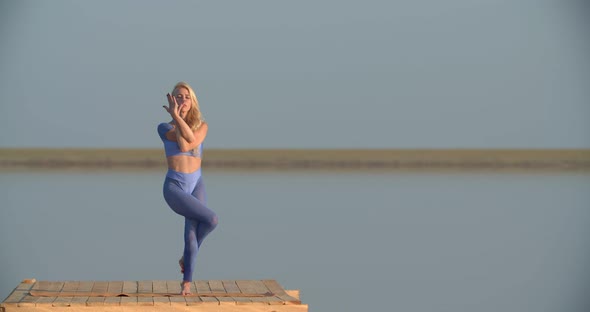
(185, 194)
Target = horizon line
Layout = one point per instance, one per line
(303, 158)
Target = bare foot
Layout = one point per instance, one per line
(181, 263)
(186, 288)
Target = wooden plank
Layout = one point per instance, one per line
(83, 286)
(217, 286)
(62, 301)
(160, 287)
(142, 288)
(69, 286)
(41, 285)
(173, 287)
(203, 288)
(14, 298)
(129, 287)
(145, 301)
(250, 287)
(98, 288)
(49, 286)
(128, 301)
(145, 287)
(56, 286)
(192, 300)
(295, 293)
(279, 292)
(30, 301)
(45, 301)
(26, 300)
(117, 288)
(231, 287)
(112, 301)
(26, 284)
(246, 286)
(260, 288)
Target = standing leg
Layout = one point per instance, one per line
(203, 228)
(196, 230)
(191, 248)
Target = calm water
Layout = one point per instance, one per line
(351, 241)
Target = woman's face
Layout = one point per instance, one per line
(183, 99)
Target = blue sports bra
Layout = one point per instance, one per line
(171, 148)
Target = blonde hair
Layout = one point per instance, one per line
(193, 118)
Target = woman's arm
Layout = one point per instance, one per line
(185, 146)
(188, 139)
(183, 130)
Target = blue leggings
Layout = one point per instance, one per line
(185, 194)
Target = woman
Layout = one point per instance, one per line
(184, 190)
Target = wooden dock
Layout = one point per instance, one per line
(135, 296)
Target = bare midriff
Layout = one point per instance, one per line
(184, 164)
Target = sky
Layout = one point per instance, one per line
(298, 74)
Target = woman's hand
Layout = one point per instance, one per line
(173, 109)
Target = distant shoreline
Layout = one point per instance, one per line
(415, 159)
